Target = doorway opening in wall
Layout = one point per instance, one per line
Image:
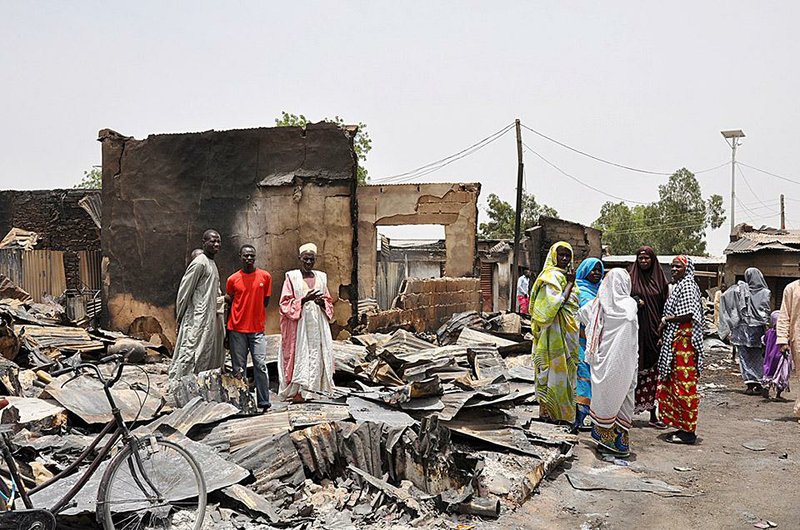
(407, 251)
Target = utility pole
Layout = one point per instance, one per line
(732, 137)
(783, 214)
(517, 220)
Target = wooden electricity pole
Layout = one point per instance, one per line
(783, 214)
(517, 220)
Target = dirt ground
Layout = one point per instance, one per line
(730, 486)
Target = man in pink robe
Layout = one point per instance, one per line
(306, 308)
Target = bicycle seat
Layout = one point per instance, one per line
(3, 403)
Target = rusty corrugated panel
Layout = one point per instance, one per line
(43, 273)
(487, 284)
(90, 269)
(11, 265)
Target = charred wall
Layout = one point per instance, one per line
(275, 188)
(58, 219)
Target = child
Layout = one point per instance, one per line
(777, 365)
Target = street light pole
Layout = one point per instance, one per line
(732, 137)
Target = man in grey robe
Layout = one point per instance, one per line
(200, 315)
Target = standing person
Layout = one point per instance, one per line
(681, 358)
(524, 290)
(744, 317)
(778, 364)
(306, 307)
(200, 314)
(588, 277)
(788, 328)
(612, 332)
(650, 289)
(553, 310)
(249, 290)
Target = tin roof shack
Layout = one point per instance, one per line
(585, 241)
(709, 270)
(275, 188)
(775, 252)
(453, 205)
(67, 252)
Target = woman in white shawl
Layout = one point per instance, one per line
(612, 335)
(306, 307)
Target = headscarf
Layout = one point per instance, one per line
(554, 281)
(588, 290)
(612, 309)
(731, 306)
(758, 308)
(652, 287)
(684, 300)
(551, 273)
(308, 247)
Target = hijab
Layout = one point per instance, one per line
(684, 300)
(613, 309)
(756, 312)
(652, 287)
(588, 290)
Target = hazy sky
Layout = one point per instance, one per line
(644, 84)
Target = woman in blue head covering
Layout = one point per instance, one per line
(588, 278)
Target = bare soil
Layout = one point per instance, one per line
(730, 486)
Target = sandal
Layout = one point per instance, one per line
(681, 438)
(660, 425)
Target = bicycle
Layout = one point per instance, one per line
(149, 483)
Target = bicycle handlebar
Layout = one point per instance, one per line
(108, 383)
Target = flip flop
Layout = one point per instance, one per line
(676, 439)
(660, 425)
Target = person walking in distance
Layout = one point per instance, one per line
(248, 291)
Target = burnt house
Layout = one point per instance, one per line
(773, 251)
(51, 240)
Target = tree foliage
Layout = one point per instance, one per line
(502, 216)
(362, 143)
(92, 179)
(675, 224)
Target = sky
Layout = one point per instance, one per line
(644, 84)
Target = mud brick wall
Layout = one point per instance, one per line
(424, 305)
(275, 188)
(58, 219)
(455, 206)
(585, 240)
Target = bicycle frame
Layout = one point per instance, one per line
(121, 431)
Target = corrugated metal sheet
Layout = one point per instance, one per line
(11, 265)
(746, 246)
(90, 269)
(787, 237)
(43, 273)
(487, 286)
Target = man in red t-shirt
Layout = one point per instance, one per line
(248, 291)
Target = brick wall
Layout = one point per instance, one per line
(424, 305)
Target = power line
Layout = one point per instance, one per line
(769, 173)
(747, 183)
(439, 164)
(615, 164)
(579, 181)
(677, 225)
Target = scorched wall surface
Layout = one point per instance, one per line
(275, 188)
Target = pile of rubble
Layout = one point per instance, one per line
(423, 431)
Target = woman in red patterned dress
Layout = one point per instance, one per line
(681, 356)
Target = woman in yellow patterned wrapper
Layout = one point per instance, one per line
(553, 309)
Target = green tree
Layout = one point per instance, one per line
(362, 143)
(675, 224)
(502, 216)
(92, 179)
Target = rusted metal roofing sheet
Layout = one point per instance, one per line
(746, 246)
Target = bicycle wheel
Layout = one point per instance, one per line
(163, 489)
